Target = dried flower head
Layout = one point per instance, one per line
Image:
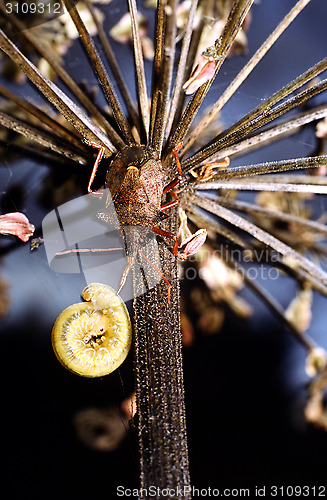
(208, 187)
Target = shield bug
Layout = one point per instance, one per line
(135, 181)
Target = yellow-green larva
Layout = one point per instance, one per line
(93, 338)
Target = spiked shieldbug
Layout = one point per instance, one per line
(135, 181)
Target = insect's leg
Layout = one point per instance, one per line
(166, 234)
(95, 168)
(191, 245)
(88, 250)
(170, 204)
(130, 263)
(156, 269)
(173, 183)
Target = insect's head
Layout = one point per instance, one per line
(134, 156)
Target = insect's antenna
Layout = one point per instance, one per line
(114, 66)
(162, 71)
(100, 71)
(65, 77)
(88, 250)
(158, 271)
(220, 49)
(140, 74)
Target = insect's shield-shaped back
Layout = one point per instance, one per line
(73, 231)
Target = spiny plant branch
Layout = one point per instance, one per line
(156, 70)
(139, 70)
(261, 235)
(283, 129)
(62, 73)
(114, 66)
(261, 168)
(44, 120)
(251, 123)
(181, 71)
(244, 73)
(46, 139)
(101, 72)
(75, 115)
(232, 27)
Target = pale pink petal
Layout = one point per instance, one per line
(16, 224)
(204, 71)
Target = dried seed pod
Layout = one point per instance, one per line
(93, 338)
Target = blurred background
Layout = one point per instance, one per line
(245, 386)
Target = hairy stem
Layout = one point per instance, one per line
(159, 381)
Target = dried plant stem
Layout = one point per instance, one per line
(180, 76)
(301, 276)
(267, 298)
(167, 73)
(166, 55)
(268, 186)
(206, 6)
(159, 381)
(283, 129)
(139, 69)
(228, 139)
(233, 25)
(66, 78)
(44, 138)
(45, 121)
(278, 311)
(319, 180)
(114, 66)
(254, 210)
(100, 71)
(261, 235)
(244, 73)
(157, 63)
(87, 129)
(264, 168)
(216, 228)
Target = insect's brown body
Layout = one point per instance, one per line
(135, 180)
